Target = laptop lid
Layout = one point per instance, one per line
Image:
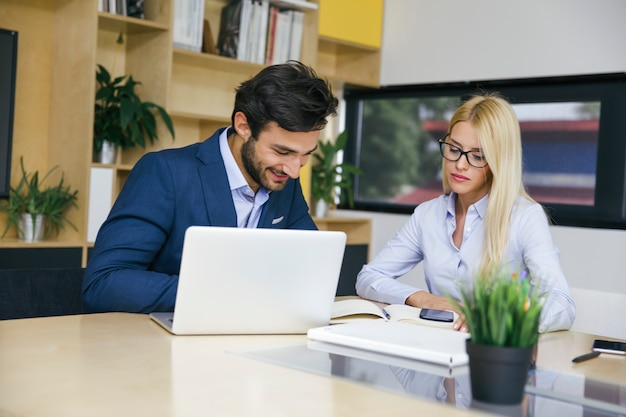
(255, 281)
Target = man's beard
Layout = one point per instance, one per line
(254, 168)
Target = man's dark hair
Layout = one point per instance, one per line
(290, 94)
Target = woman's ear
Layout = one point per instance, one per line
(241, 125)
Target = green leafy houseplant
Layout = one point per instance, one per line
(121, 117)
(502, 315)
(31, 197)
(501, 310)
(327, 174)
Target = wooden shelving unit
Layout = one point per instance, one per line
(60, 44)
(358, 230)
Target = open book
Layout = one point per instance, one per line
(348, 310)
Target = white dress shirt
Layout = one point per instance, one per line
(247, 204)
(427, 237)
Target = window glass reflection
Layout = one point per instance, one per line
(400, 153)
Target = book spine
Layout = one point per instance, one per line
(253, 32)
(121, 7)
(244, 28)
(260, 54)
(188, 24)
(271, 35)
(297, 28)
(228, 37)
(283, 34)
(197, 22)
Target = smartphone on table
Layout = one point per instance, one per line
(608, 346)
(437, 315)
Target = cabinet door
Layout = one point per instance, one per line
(364, 25)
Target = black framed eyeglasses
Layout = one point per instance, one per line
(453, 153)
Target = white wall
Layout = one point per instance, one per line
(426, 41)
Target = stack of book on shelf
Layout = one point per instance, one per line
(259, 31)
(188, 24)
(132, 8)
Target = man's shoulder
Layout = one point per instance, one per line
(195, 150)
(168, 156)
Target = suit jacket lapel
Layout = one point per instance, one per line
(217, 196)
(267, 219)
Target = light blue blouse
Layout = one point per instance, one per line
(427, 237)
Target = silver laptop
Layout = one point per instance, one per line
(255, 281)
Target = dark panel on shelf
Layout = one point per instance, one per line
(39, 258)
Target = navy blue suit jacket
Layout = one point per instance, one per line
(136, 257)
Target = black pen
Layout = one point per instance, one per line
(586, 357)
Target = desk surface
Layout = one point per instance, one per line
(126, 365)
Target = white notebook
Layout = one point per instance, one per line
(424, 343)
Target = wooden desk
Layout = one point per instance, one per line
(119, 364)
(557, 349)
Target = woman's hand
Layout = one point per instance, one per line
(423, 299)
(459, 324)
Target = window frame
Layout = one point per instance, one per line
(609, 209)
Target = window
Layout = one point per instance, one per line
(573, 140)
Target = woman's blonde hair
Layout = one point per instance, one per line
(499, 137)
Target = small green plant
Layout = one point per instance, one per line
(31, 197)
(327, 174)
(502, 310)
(121, 117)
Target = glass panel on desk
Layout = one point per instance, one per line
(549, 393)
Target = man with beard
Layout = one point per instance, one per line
(245, 175)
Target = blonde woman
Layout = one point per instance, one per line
(484, 220)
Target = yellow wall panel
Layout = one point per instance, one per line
(357, 21)
(305, 182)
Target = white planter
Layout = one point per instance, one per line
(29, 230)
(107, 154)
(321, 209)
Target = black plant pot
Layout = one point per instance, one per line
(505, 410)
(498, 374)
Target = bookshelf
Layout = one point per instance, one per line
(61, 42)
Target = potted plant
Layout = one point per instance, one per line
(36, 211)
(502, 316)
(327, 174)
(121, 118)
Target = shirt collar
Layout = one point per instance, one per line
(480, 205)
(236, 180)
(235, 177)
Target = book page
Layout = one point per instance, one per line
(409, 314)
(345, 311)
(403, 312)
